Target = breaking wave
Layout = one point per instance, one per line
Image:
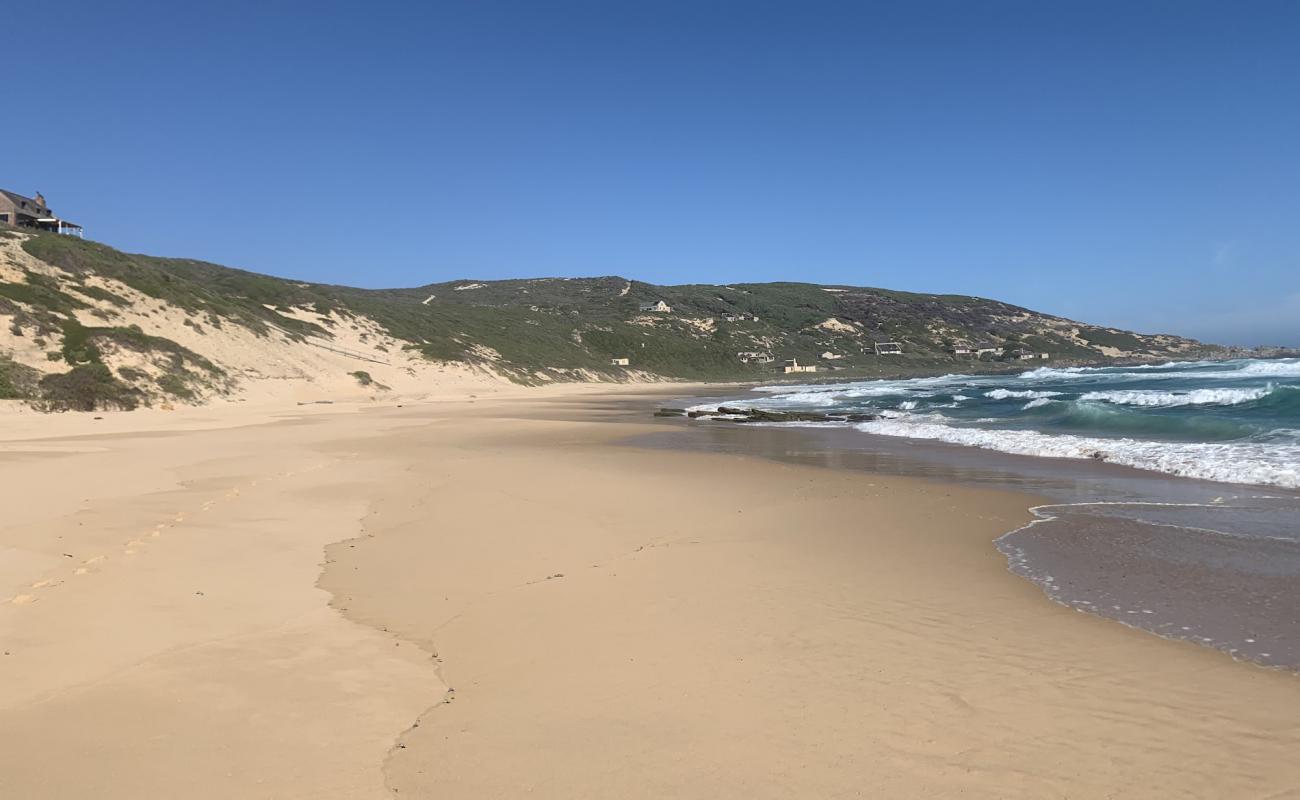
(1003, 394)
(1194, 397)
(1261, 463)
(1236, 420)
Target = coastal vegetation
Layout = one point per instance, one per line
(57, 290)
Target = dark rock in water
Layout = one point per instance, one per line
(736, 414)
(762, 415)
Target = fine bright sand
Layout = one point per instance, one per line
(513, 605)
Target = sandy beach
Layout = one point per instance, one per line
(496, 597)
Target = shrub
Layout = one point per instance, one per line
(102, 294)
(77, 345)
(86, 387)
(17, 381)
(175, 386)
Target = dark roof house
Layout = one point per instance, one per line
(32, 212)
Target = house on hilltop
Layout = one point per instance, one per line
(32, 212)
(658, 307)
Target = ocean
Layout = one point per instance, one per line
(1235, 421)
(1172, 501)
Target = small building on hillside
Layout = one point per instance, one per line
(1022, 355)
(619, 362)
(888, 348)
(755, 357)
(960, 349)
(657, 307)
(831, 356)
(32, 212)
(792, 365)
(980, 352)
(739, 318)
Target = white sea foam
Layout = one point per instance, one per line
(1227, 370)
(1285, 366)
(1004, 394)
(1194, 397)
(1043, 373)
(1258, 456)
(829, 396)
(1233, 462)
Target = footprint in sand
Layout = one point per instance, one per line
(94, 560)
(44, 583)
(24, 600)
(128, 552)
(208, 505)
(156, 532)
(80, 571)
(232, 493)
(180, 517)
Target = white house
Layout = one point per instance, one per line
(657, 307)
(793, 365)
(960, 350)
(755, 357)
(619, 362)
(988, 351)
(829, 356)
(888, 349)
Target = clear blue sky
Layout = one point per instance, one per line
(1131, 163)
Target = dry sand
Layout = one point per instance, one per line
(513, 606)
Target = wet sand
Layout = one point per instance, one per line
(1212, 563)
(515, 603)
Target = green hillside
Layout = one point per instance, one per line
(559, 328)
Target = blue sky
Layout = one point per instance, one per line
(1129, 163)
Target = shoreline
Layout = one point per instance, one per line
(611, 620)
(1234, 612)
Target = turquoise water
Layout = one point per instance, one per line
(1236, 421)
